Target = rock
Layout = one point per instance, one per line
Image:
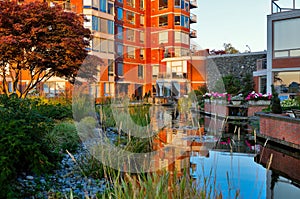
(29, 177)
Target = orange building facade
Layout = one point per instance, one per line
(141, 43)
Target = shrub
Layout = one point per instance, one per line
(22, 147)
(63, 136)
(275, 103)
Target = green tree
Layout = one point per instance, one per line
(229, 84)
(41, 42)
(229, 49)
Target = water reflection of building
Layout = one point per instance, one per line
(177, 142)
(283, 178)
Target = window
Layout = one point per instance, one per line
(119, 49)
(130, 3)
(130, 17)
(95, 4)
(177, 20)
(120, 14)
(110, 8)
(96, 44)
(140, 71)
(163, 37)
(184, 21)
(187, 6)
(142, 20)
(177, 52)
(95, 23)
(103, 25)
(110, 27)
(121, 1)
(103, 4)
(130, 52)
(142, 4)
(130, 35)
(177, 37)
(111, 65)
(120, 32)
(155, 71)
(103, 45)
(177, 3)
(142, 37)
(142, 54)
(109, 89)
(110, 44)
(163, 4)
(120, 69)
(163, 20)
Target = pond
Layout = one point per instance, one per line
(230, 160)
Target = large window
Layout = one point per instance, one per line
(142, 20)
(119, 13)
(142, 4)
(155, 71)
(142, 37)
(111, 27)
(287, 82)
(120, 32)
(177, 3)
(111, 44)
(184, 21)
(177, 20)
(111, 65)
(286, 38)
(103, 4)
(130, 3)
(130, 35)
(130, 17)
(119, 50)
(130, 52)
(140, 71)
(109, 89)
(95, 23)
(163, 37)
(163, 20)
(110, 8)
(142, 54)
(103, 25)
(103, 45)
(163, 4)
(120, 69)
(96, 44)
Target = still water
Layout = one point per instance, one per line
(230, 162)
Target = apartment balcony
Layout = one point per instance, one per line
(172, 76)
(261, 64)
(275, 8)
(193, 33)
(193, 18)
(193, 4)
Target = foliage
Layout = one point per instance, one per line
(229, 49)
(22, 147)
(247, 84)
(229, 84)
(39, 41)
(63, 137)
(275, 102)
(289, 103)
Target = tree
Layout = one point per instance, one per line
(229, 84)
(40, 42)
(229, 49)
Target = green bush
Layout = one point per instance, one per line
(22, 147)
(63, 136)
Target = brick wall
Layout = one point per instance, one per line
(282, 163)
(283, 128)
(253, 109)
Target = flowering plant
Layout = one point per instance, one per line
(258, 96)
(216, 95)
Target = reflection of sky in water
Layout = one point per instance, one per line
(244, 174)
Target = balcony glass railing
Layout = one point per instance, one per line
(193, 18)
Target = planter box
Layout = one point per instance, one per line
(259, 102)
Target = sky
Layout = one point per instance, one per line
(239, 22)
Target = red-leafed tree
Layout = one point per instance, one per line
(41, 41)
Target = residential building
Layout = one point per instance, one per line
(282, 65)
